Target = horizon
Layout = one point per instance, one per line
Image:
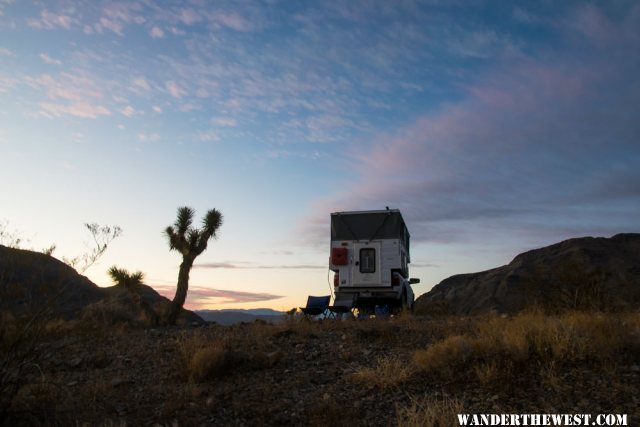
(494, 127)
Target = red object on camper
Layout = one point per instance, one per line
(339, 256)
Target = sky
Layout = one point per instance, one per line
(495, 127)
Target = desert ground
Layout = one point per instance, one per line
(406, 370)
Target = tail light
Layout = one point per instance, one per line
(336, 279)
(339, 256)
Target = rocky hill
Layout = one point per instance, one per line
(31, 282)
(582, 273)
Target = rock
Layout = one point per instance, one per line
(273, 357)
(120, 408)
(75, 362)
(117, 381)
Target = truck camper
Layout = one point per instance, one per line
(370, 258)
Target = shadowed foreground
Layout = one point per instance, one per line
(407, 371)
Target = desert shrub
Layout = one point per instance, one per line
(433, 308)
(500, 345)
(202, 357)
(445, 355)
(108, 313)
(430, 412)
(488, 372)
(206, 363)
(19, 340)
(388, 372)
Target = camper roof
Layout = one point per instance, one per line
(369, 225)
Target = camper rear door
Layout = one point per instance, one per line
(367, 267)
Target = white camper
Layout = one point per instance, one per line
(370, 258)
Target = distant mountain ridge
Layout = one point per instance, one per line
(581, 273)
(232, 316)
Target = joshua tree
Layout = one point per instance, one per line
(190, 242)
(131, 282)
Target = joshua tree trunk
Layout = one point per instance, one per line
(190, 242)
(181, 290)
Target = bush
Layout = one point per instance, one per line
(430, 412)
(206, 364)
(389, 372)
(532, 339)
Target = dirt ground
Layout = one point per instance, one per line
(294, 373)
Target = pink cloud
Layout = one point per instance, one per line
(156, 33)
(200, 296)
(49, 20)
(189, 16)
(67, 86)
(244, 265)
(49, 60)
(109, 24)
(79, 109)
(233, 21)
(128, 111)
(174, 89)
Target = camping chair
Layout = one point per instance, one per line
(342, 304)
(316, 305)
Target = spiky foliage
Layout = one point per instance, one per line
(190, 242)
(122, 277)
(132, 282)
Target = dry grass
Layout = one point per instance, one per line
(430, 412)
(201, 358)
(206, 364)
(445, 355)
(108, 313)
(487, 373)
(388, 372)
(532, 339)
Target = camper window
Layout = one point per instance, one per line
(367, 260)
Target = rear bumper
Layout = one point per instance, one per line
(368, 297)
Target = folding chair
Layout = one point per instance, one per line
(316, 305)
(342, 304)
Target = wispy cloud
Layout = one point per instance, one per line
(128, 111)
(245, 265)
(67, 86)
(50, 20)
(156, 33)
(174, 89)
(7, 83)
(200, 296)
(148, 137)
(224, 121)
(49, 60)
(116, 16)
(78, 109)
